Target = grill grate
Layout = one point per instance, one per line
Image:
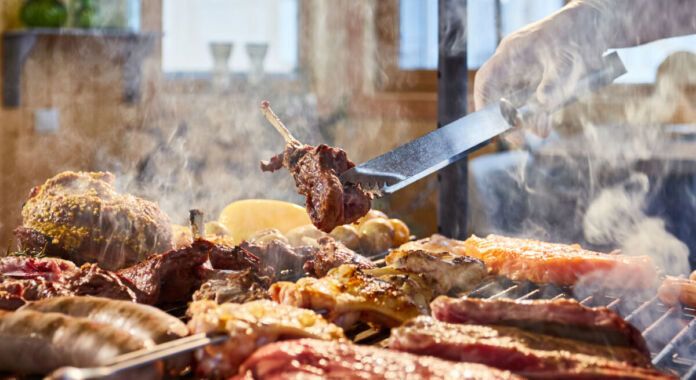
(669, 331)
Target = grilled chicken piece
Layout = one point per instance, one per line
(82, 218)
(562, 318)
(329, 254)
(447, 272)
(250, 326)
(347, 294)
(35, 342)
(674, 290)
(533, 356)
(314, 359)
(315, 171)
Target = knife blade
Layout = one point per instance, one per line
(425, 155)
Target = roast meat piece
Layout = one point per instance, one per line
(447, 272)
(242, 286)
(82, 218)
(562, 318)
(36, 343)
(278, 254)
(533, 356)
(348, 294)
(250, 326)
(316, 359)
(316, 170)
(329, 254)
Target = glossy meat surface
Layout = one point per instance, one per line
(81, 217)
(446, 272)
(347, 294)
(35, 342)
(329, 254)
(233, 286)
(674, 290)
(250, 326)
(315, 171)
(535, 356)
(562, 317)
(312, 359)
(561, 264)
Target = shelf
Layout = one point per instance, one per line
(17, 45)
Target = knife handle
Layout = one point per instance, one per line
(612, 68)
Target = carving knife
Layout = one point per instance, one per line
(425, 155)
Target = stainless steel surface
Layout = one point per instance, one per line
(428, 154)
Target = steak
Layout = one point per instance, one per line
(317, 359)
(534, 356)
(562, 318)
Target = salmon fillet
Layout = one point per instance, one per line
(561, 264)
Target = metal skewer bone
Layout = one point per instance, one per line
(275, 121)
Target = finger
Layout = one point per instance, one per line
(562, 74)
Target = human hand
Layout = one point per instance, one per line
(547, 57)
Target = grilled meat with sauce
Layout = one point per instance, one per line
(447, 272)
(82, 218)
(531, 355)
(315, 359)
(250, 326)
(347, 294)
(562, 318)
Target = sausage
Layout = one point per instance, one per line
(143, 321)
(34, 342)
(675, 290)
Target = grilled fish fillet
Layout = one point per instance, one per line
(347, 294)
(250, 326)
(534, 356)
(447, 272)
(312, 360)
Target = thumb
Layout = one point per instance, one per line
(560, 79)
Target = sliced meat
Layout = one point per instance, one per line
(316, 359)
(315, 171)
(562, 318)
(534, 356)
(27, 267)
(447, 272)
(250, 326)
(329, 254)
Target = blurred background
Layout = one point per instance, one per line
(166, 95)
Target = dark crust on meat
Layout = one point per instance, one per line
(315, 171)
(81, 217)
(331, 254)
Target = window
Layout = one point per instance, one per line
(191, 25)
(418, 28)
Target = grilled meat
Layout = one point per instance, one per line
(315, 171)
(278, 254)
(25, 278)
(142, 321)
(347, 294)
(82, 218)
(250, 326)
(35, 342)
(563, 318)
(561, 264)
(315, 359)
(447, 272)
(533, 356)
(674, 290)
(233, 286)
(329, 254)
